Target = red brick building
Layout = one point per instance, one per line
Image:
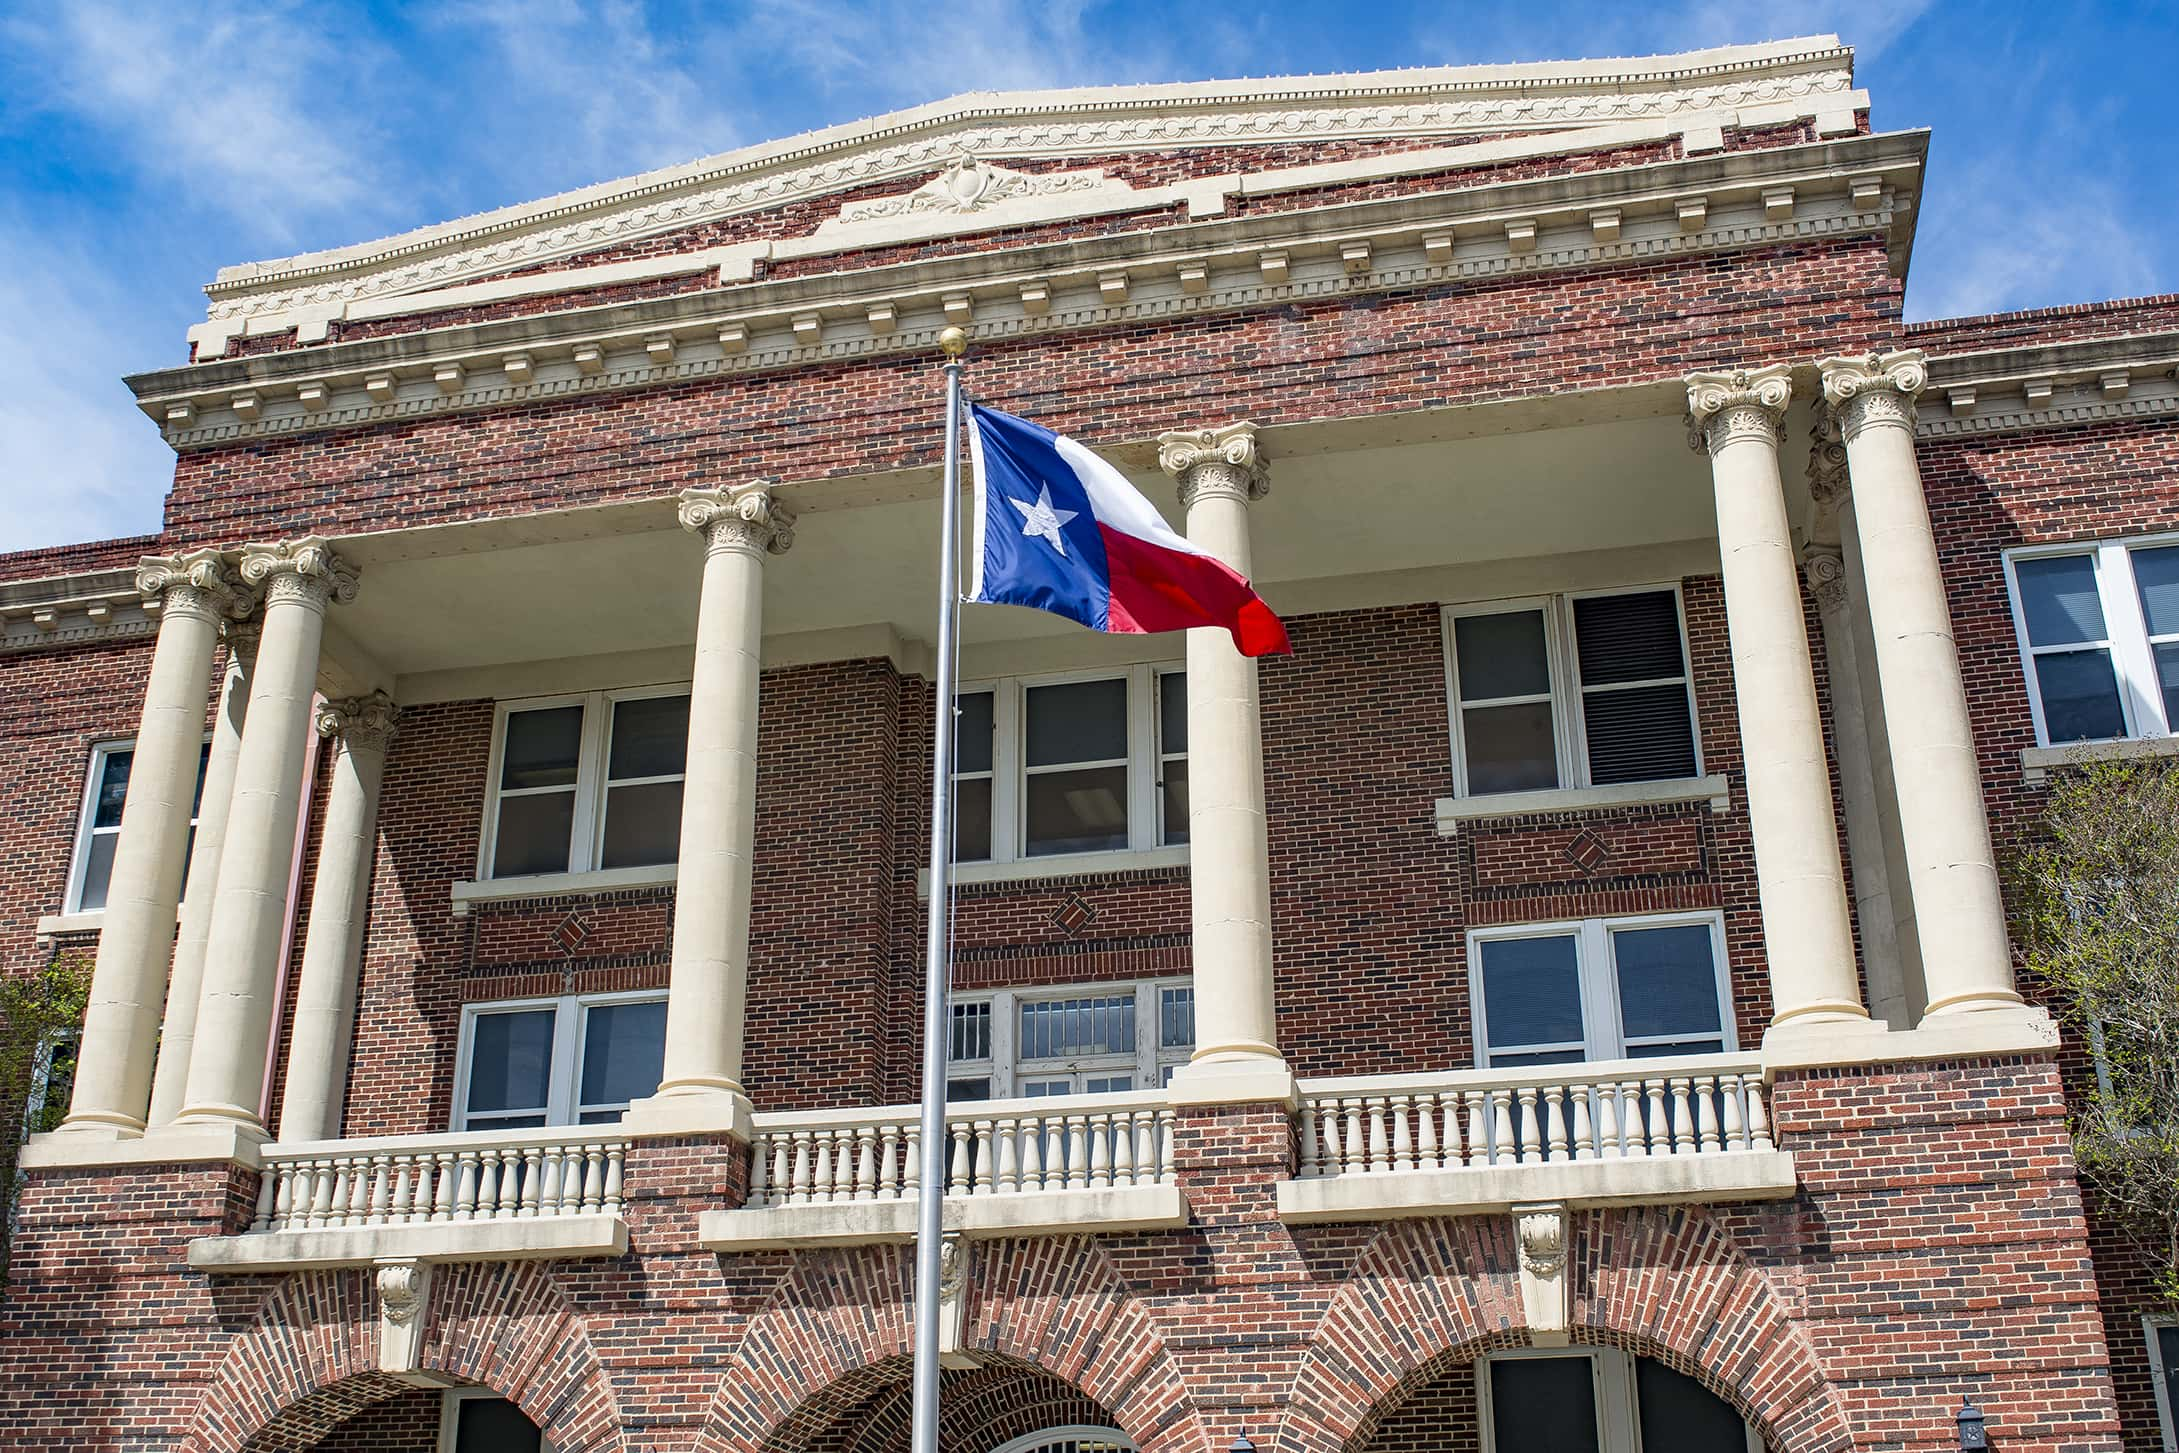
(1564, 1004)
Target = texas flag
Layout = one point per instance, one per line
(1058, 529)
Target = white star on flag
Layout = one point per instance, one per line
(1040, 519)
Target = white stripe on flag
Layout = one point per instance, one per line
(1117, 504)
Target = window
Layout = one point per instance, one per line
(1090, 1040)
(2163, 1338)
(1071, 764)
(1632, 988)
(52, 1083)
(105, 789)
(575, 1060)
(587, 782)
(2098, 627)
(478, 1420)
(1602, 1400)
(1570, 691)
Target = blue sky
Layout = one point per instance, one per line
(145, 143)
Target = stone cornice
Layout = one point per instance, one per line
(2051, 385)
(94, 608)
(1860, 184)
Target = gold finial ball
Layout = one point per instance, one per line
(953, 342)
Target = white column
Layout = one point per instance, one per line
(179, 1031)
(1237, 1059)
(1959, 911)
(707, 994)
(1807, 935)
(241, 970)
(112, 1094)
(1873, 911)
(325, 992)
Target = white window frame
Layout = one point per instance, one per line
(587, 834)
(1150, 1065)
(450, 1416)
(2167, 1421)
(2126, 628)
(1074, 1438)
(1611, 1371)
(1010, 771)
(79, 864)
(1568, 727)
(1596, 973)
(565, 1079)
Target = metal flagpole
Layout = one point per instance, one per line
(930, 1211)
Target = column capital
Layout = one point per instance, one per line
(1827, 478)
(304, 570)
(1738, 404)
(1824, 568)
(1225, 461)
(741, 517)
(1875, 389)
(360, 721)
(195, 582)
(243, 632)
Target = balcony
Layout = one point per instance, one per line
(1059, 1166)
(1621, 1132)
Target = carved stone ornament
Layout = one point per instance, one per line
(1879, 389)
(1541, 1235)
(1224, 460)
(1827, 479)
(404, 1289)
(1825, 569)
(305, 571)
(195, 582)
(953, 1254)
(973, 186)
(360, 721)
(742, 517)
(1740, 405)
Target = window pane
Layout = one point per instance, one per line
(1680, 1414)
(2156, 576)
(624, 1051)
(1640, 734)
(2080, 696)
(113, 789)
(650, 737)
(196, 800)
(1082, 721)
(2167, 1348)
(1531, 991)
(494, 1425)
(533, 834)
(1045, 1089)
(971, 1037)
(1077, 812)
(1544, 1403)
(1176, 1018)
(976, 1089)
(1173, 712)
(972, 820)
(1107, 1084)
(1510, 748)
(1667, 981)
(1501, 655)
(2167, 682)
(1173, 798)
(972, 732)
(542, 747)
(642, 825)
(1066, 1028)
(2058, 596)
(1628, 637)
(510, 1061)
(97, 871)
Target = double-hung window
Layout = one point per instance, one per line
(2098, 627)
(99, 828)
(2163, 1335)
(1601, 1400)
(579, 1059)
(1582, 690)
(1600, 989)
(1071, 764)
(478, 1420)
(1079, 1040)
(587, 782)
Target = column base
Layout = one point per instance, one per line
(1254, 1080)
(692, 1110)
(2018, 1029)
(168, 1145)
(98, 1127)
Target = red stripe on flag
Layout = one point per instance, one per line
(1156, 589)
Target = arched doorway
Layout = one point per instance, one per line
(375, 1414)
(1581, 1399)
(1070, 1440)
(1003, 1404)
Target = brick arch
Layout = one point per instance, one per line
(1665, 1282)
(309, 1358)
(830, 1338)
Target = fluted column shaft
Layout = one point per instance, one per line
(1959, 911)
(249, 911)
(112, 1093)
(170, 1077)
(707, 994)
(325, 992)
(1220, 473)
(1807, 934)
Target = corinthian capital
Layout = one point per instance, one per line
(1827, 481)
(1222, 461)
(195, 582)
(360, 721)
(1824, 567)
(1879, 389)
(744, 517)
(1737, 405)
(305, 571)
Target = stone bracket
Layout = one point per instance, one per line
(404, 1292)
(953, 1258)
(1541, 1234)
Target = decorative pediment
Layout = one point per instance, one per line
(970, 186)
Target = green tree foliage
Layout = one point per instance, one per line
(2097, 895)
(39, 1016)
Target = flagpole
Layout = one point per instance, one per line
(930, 1209)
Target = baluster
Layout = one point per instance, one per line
(1452, 1152)
(511, 1165)
(404, 1189)
(1633, 1134)
(270, 1185)
(532, 1203)
(1706, 1113)
(760, 1171)
(1479, 1132)
(1077, 1152)
(866, 1163)
(957, 1179)
(1032, 1153)
(1309, 1149)
(1734, 1135)
(888, 1188)
(442, 1186)
(553, 1196)
(1660, 1121)
(594, 1180)
(781, 1180)
(1584, 1137)
(1554, 1121)
(1531, 1132)
(1683, 1117)
(324, 1183)
(1403, 1138)
(911, 1171)
(799, 1192)
(1331, 1156)
(1609, 1144)
(821, 1167)
(1357, 1136)
(610, 1202)
(981, 1157)
(1758, 1117)
(359, 1193)
(1122, 1131)
(380, 1205)
(1380, 1144)
(336, 1211)
(1006, 1155)
(1426, 1131)
(1501, 1127)
(1100, 1150)
(1165, 1147)
(469, 1184)
(1146, 1147)
(487, 1184)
